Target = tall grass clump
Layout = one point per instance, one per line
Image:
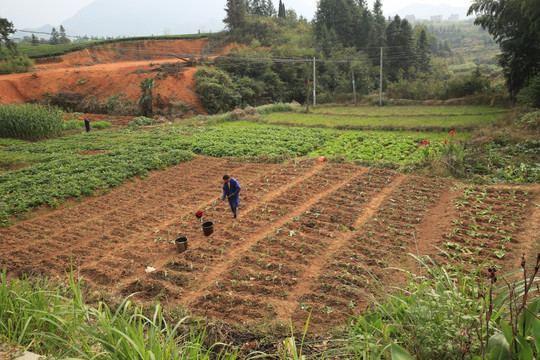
(30, 122)
(448, 312)
(272, 108)
(141, 121)
(53, 320)
(34, 311)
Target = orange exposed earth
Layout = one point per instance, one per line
(102, 72)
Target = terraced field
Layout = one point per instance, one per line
(310, 236)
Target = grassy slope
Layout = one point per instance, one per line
(437, 118)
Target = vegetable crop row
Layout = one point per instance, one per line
(384, 146)
(65, 169)
(78, 165)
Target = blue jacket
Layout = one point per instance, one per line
(234, 200)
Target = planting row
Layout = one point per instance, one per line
(272, 199)
(486, 221)
(382, 241)
(385, 146)
(78, 165)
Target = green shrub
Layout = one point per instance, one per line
(79, 124)
(73, 124)
(17, 64)
(470, 84)
(30, 122)
(101, 125)
(529, 120)
(449, 312)
(280, 107)
(216, 90)
(141, 121)
(531, 94)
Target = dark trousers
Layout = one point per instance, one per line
(235, 211)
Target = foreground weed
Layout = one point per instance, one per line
(517, 334)
(53, 320)
(33, 312)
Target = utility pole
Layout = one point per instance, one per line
(314, 85)
(353, 85)
(380, 81)
(307, 96)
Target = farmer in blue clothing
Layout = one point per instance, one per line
(231, 189)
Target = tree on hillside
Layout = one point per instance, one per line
(147, 85)
(423, 56)
(282, 14)
(261, 8)
(532, 13)
(34, 40)
(63, 39)
(340, 16)
(515, 26)
(256, 7)
(55, 37)
(235, 18)
(363, 24)
(377, 33)
(270, 10)
(6, 29)
(401, 51)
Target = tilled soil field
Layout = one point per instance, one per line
(310, 236)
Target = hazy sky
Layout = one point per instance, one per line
(35, 13)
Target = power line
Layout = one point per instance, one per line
(42, 32)
(393, 55)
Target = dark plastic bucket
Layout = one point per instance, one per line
(208, 227)
(181, 244)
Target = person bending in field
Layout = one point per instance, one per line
(231, 189)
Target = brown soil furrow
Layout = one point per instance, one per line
(249, 193)
(233, 256)
(432, 228)
(289, 252)
(96, 229)
(155, 234)
(529, 239)
(312, 272)
(120, 199)
(341, 287)
(490, 221)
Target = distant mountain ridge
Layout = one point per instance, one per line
(106, 18)
(141, 18)
(425, 12)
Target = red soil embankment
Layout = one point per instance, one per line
(109, 70)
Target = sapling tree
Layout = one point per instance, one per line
(146, 99)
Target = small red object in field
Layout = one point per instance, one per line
(321, 159)
(198, 214)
